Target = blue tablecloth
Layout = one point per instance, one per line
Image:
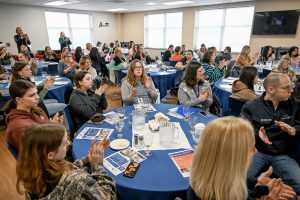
(163, 80)
(158, 177)
(42, 67)
(56, 91)
(222, 94)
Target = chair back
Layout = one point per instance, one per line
(235, 106)
(13, 151)
(118, 77)
(53, 69)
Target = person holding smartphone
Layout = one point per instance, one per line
(21, 39)
(43, 152)
(194, 90)
(64, 41)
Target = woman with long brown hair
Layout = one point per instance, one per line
(44, 174)
(244, 57)
(137, 85)
(283, 67)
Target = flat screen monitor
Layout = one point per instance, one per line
(276, 22)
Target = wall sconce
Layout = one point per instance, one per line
(104, 24)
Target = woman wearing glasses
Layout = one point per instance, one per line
(67, 67)
(283, 67)
(137, 85)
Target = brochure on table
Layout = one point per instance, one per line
(178, 112)
(146, 107)
(180, 142)
(117, 162)
(93, 133)
(112, 117)
(183, 161)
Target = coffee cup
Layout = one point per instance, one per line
(200, 128)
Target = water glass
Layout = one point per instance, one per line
(44, 74)
(119, 126)
(121, 112)
(186, 112)
(148, 139)
(192, 120)
(196, 136)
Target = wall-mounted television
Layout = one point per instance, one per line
(275, 22)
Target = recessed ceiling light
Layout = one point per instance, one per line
(150, 3)
(57, 3)
(177, 3)
(116, 9)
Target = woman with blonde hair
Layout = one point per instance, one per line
(244, 57)
(137, 85)
(85, 64)
(283, 67)
(44, 174)
(221, 162)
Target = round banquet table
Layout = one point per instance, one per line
(157, 178)
(57, 91)
(163, 80)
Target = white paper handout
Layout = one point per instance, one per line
(117, 162)
(183, 161)
(144, 106)
(180, 142)
(112, 117)
(173, 112)
(93, 133)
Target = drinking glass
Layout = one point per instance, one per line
(148, 139)
(121, 112)
(119, 126)
(192, 120)
(186, 112)
(44, 74)
(196, 137)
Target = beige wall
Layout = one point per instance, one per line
(133, 24)
(32, 20)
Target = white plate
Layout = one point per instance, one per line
(119, 144)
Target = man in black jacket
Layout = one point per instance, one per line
(276, 120)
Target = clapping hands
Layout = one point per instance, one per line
(96, 151)
(148, 83)
(204, 95)
(102, 89)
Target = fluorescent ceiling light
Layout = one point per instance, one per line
(57, 3)
(150, 3)
(116, 9)
(177, 3)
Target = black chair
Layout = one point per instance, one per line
(13, 151)
(235, 106)
(53, 69)
(231, 64)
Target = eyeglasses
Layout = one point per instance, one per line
(139, 67)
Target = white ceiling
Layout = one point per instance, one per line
(131, 5)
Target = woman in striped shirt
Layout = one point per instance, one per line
(212, 70)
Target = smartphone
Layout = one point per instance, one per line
(204, 114)
(131, 169)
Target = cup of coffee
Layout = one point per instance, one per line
(200, 128)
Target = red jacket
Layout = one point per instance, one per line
(17, 121)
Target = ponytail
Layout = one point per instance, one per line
(9, 106)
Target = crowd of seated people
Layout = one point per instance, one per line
(273, 135)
